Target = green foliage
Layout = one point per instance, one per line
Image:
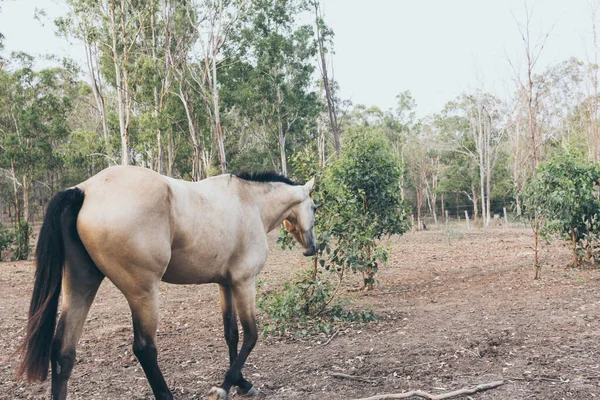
(7, 237)
(299, 308)
(565, 195)
(21, 244)
(361, 201)
(358, 203)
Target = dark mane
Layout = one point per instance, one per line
(266, 177)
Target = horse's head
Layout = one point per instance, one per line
(301, 221)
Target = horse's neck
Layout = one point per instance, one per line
(275, 203)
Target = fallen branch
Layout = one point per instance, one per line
(352, 377)
(392, 292)
(541, 378)
(425, 395)
(331, 338)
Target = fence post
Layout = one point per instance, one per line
(505, 217)
(446, 212)
(412, 222)
(467, 218)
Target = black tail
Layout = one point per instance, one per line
(50, 257)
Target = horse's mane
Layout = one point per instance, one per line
(266, 177)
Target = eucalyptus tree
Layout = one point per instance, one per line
(214, 23)
(110, 31)
(82, 22)
(324, 40)
(155, 74)
(479, 136)
(271, 85)
(34, 107)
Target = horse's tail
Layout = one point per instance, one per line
(50, 258)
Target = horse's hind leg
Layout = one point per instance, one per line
(144, 311)
(81, 279)
(244, 294)
(232, 334)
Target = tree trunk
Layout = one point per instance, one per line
(281, 133)
(321, 141)
(328, 92)
(196, 144)
(119, 80)
(196, 163)
(475, 209)
(98, 95)
(594, 112)
(170, 153)
(26, 191)
(218, 130)
(481, 168)
(15, 193)
(419, 205)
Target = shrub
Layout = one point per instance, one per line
(300, 308)
(565, 195)
(21, 247)
(358, 203)
(7, 238)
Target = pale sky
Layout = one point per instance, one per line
(437, 49)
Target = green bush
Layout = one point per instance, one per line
(7, 238)
(300, 308)
(361, 197)
(358, 203)
(565, 196)
(21, 247)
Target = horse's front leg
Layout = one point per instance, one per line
(244, 296)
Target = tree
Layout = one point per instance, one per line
(82, 23)
(475, 126)
(269, 89)
(33, 111)
(362, 195)
(564, 193)
(324, 37)
(214, 22)
(533, 49)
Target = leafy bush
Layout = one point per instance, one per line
(358, 203)
(7, 238)
(21, 247)
(361, 195)
(565, 196)
(300, 308)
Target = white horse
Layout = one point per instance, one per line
(137, 227)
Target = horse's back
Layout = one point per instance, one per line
(125, 219)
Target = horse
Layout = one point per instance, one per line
(138, 228)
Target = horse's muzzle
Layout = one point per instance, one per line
(310, 250)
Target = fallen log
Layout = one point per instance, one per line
(425, 395)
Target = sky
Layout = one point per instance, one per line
(436, 49)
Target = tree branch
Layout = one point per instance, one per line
(425, 395)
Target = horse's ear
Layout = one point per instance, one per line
(288, 225)
(310, 185)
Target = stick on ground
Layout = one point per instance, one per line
(352, 377)
(425, 395)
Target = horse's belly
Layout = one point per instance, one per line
(182, 270)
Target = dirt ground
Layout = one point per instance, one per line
(457, 308)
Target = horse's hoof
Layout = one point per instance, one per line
(250, 393)
(217, 394)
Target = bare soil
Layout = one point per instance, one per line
(457, 308)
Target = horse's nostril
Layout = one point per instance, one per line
(310, 251)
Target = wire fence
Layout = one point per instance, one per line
(501, 216)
